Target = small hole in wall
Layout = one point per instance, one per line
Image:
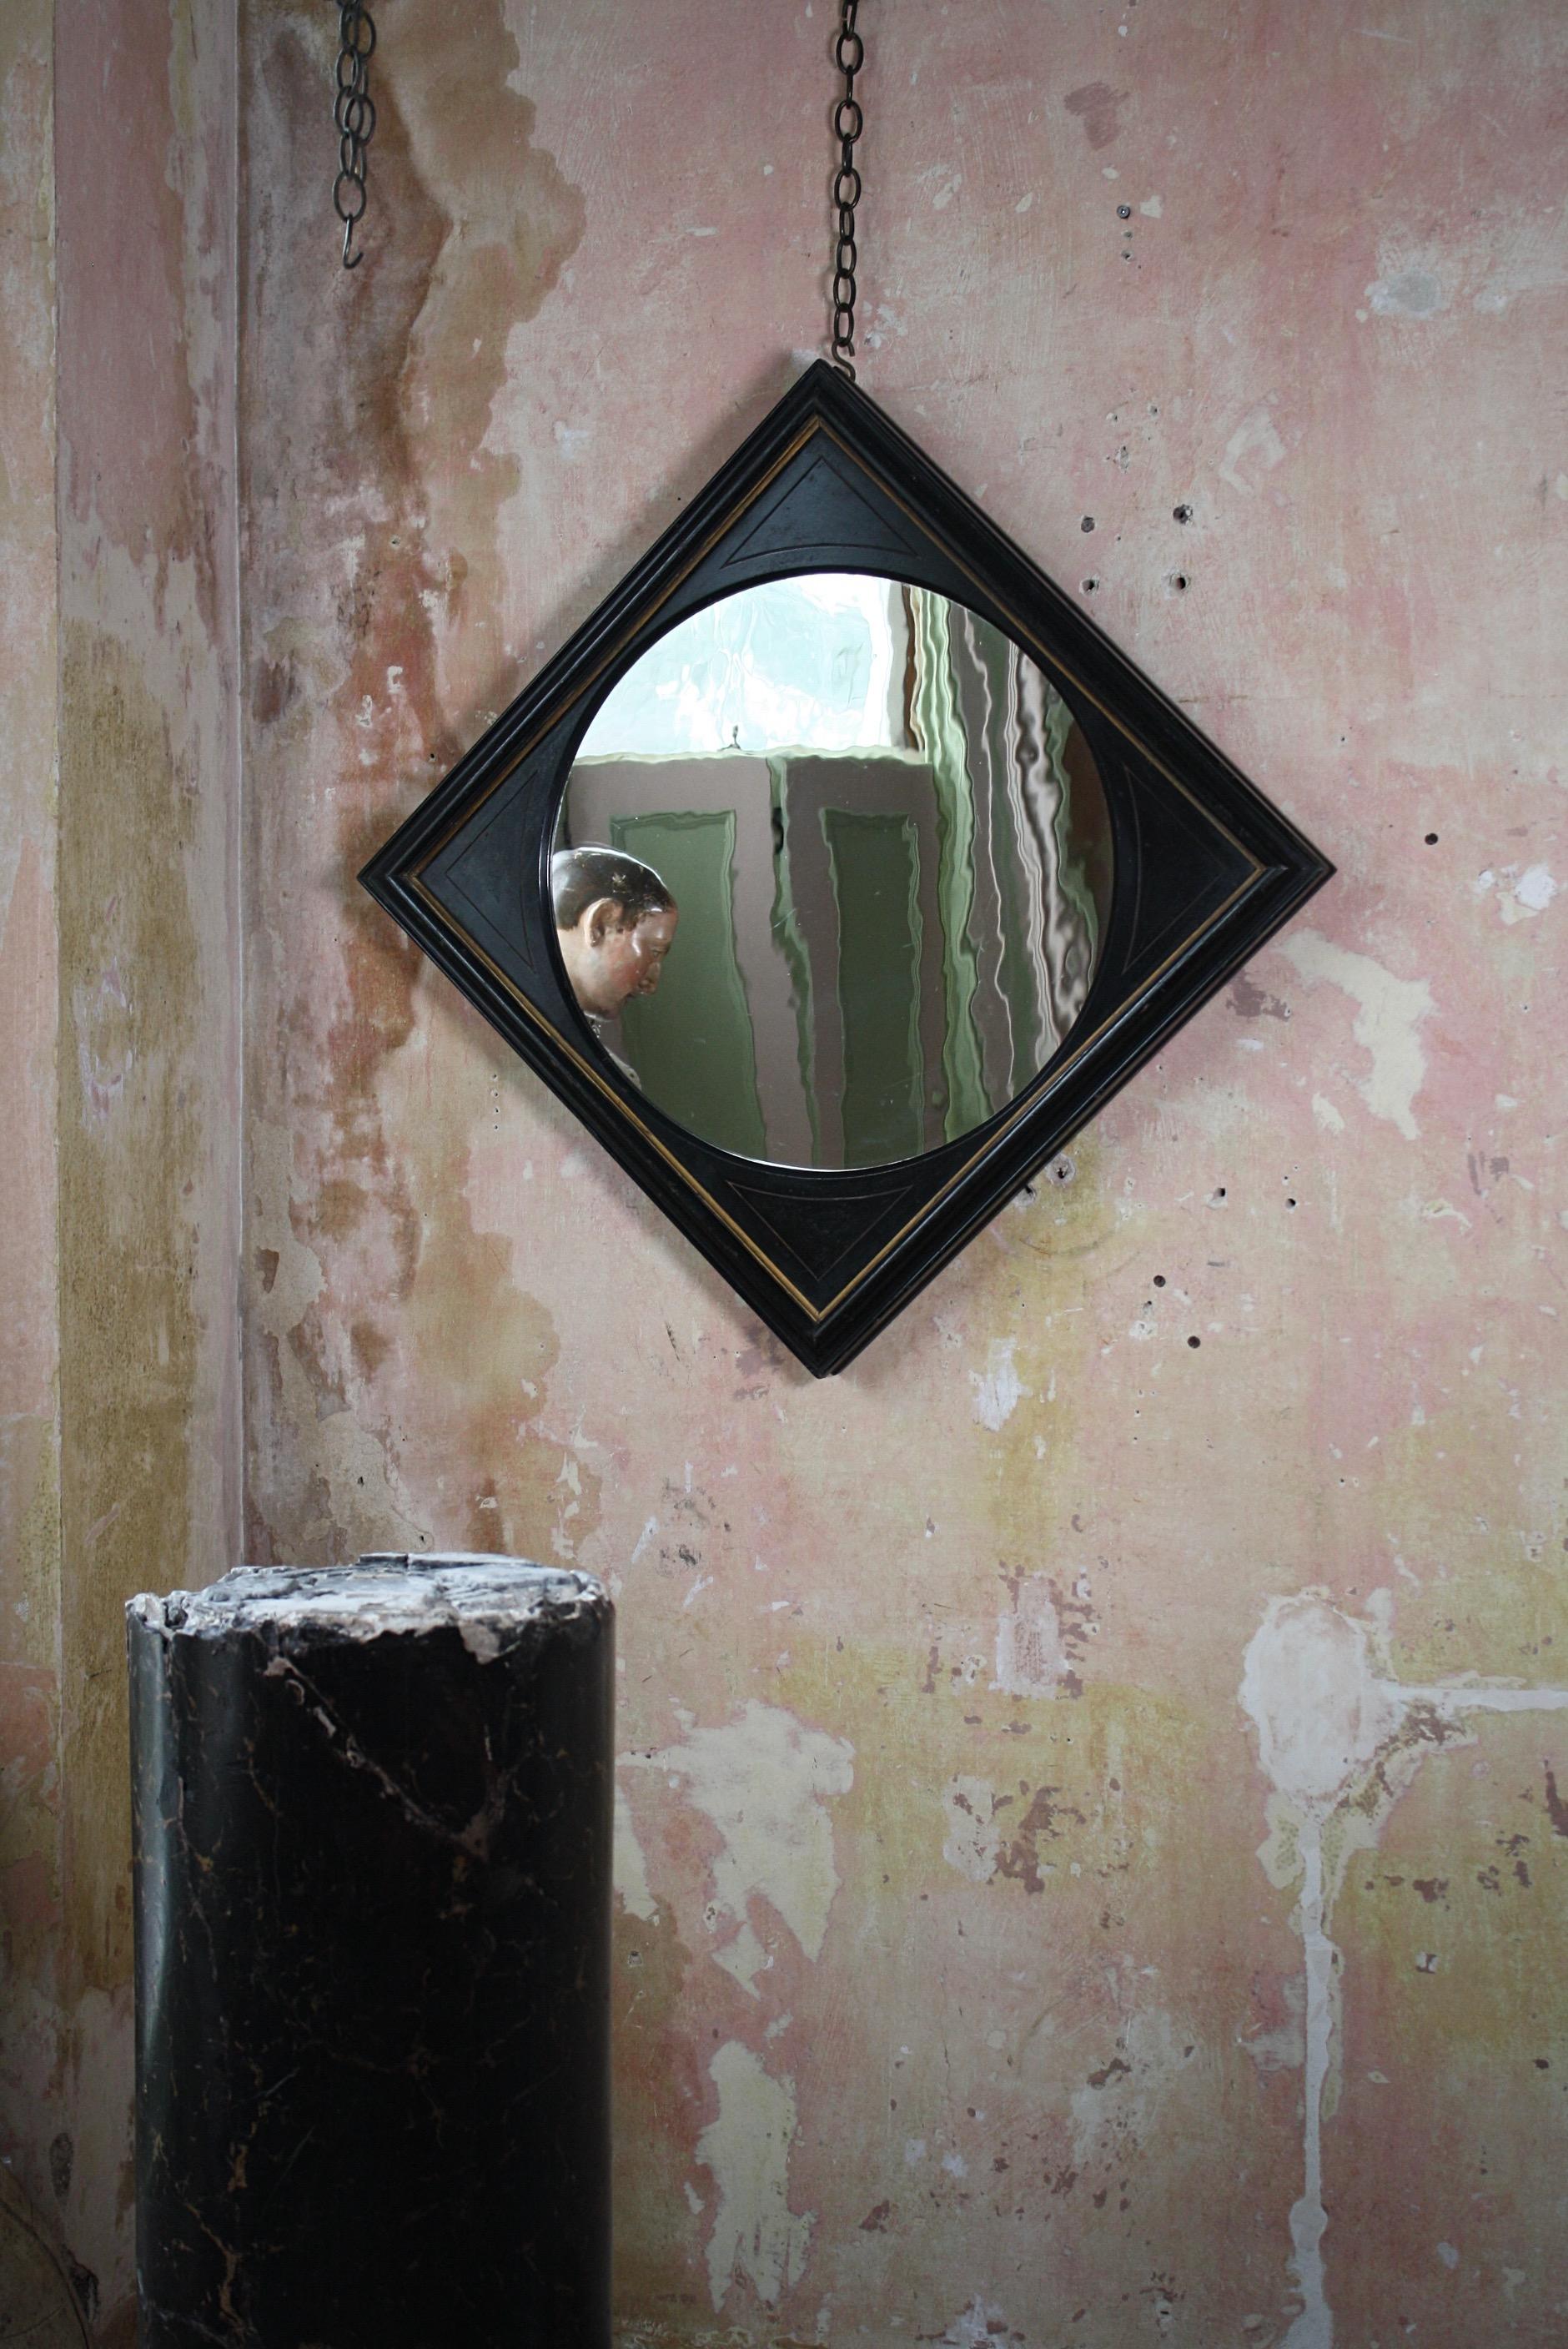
(1432, 840)
(1179, 582)
(1159, 1280)
(1124, 212)
(1289, 1202)
(1061, 1170)
(1194, 1342)
(1181, 513)
(1086, 523)
(1089, 585)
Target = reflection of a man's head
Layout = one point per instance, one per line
(614, 920)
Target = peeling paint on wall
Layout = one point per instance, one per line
(947, 1972)
(1340, 1740)
(755, 2232)
(765, 1781)
(1386, 1026)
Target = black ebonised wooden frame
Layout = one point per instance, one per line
(1204, 870)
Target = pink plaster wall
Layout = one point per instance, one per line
(1093, 1866)
(1094, 1843)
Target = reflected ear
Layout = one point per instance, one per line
(597, 920)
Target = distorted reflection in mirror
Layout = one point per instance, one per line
(791, 875)
(833, 871)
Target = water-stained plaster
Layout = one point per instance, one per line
(31, 2266)
(1023, 1553)
(126, 890)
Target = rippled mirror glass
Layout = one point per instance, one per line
(833, 871)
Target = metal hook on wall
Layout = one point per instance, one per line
(354, 115)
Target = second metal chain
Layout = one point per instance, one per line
(850, 56)
(355, 114)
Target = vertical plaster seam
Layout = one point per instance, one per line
(234, 1477)
(58, 1626)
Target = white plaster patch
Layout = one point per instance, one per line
(977, 2326)
(1387, 1022)
(630, 1873)
(1151, 208)
(974, 1840)
(371, 1507)
(1326, 1113)
(1310, 1690)
(1408, 293)
(1282, 2049)
(1254, 441)
(756, 2234)
(764, 1780)
(998, 1389)
(105, 1055)
(1112, 2119)
(1534, 889)
(1029, 1659)
(1314, 2325)
(1315, 1687)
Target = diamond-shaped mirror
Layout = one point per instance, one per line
(838, 870)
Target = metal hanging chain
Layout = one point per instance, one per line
(850, 56)
(354, 117)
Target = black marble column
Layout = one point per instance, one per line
(372, 1876)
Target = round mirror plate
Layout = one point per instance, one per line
(833, 872)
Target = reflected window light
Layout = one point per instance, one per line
(811, 663)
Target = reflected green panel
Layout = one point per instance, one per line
(876, 886)
(890, 848)
(789, 942)
(939, 729)
(691, 1044)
